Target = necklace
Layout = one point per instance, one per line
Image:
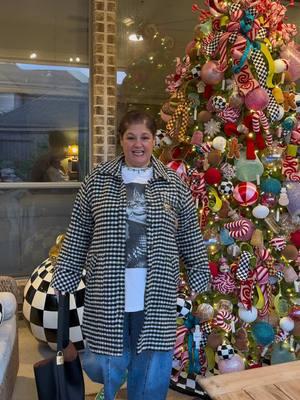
(138, 169)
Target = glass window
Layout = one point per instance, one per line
(30, 221)
(151, 35)
(43, 122)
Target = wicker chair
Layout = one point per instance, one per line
(8, 284)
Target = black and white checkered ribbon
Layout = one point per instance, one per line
(244, 266)
(234, 7)
(211, 48)
(262, 33)
(262, 74)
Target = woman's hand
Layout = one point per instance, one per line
(193, 295)
(58, 292)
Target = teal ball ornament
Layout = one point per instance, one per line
(270, 185)
(263, 333)
(289, 123)
(281, 353)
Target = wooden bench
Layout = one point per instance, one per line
(275, 382)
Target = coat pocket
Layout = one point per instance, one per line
(90, 266)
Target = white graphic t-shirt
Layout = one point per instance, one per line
(135, 180)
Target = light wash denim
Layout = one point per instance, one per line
(148, 373)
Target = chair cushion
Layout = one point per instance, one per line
(8, 305)
(8, 331)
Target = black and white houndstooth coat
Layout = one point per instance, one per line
(95, 240)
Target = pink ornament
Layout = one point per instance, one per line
(197, 138)
(291, 52)
(209, 105)
(210, 73)
(189, 47)
(257, 99)
(268, 199)
(245, 193)
(295, 313)
(234, 364)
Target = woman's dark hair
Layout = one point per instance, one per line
(137, 117)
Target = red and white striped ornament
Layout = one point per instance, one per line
(225, 321)
(259, 118)
(278, 243)
(224, 283)
(262, 254)
(240, 228)
(245, 193)
(179, 167)
(229, 114)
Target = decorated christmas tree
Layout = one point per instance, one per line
(233, 133)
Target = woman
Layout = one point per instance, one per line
(132, 219)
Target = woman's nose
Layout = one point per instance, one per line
(138, 142)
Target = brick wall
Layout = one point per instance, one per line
(103, 78)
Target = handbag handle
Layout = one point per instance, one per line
(62, 341)
(63, 321)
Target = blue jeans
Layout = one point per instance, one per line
(148, 373)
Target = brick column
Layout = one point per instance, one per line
(103, 80)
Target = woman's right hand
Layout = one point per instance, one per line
(58, 292)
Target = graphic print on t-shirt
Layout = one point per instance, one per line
(136, 253)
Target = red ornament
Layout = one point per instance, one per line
(230, 129)
(250, 148)
(208, 91)
(214, 270)
(212, 176)
(260, 141)
(295, 238)
(248, 121)
(245, 193)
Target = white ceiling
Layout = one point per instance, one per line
(55, 29)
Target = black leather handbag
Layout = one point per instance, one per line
(60, 377)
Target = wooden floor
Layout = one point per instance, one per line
(276, 382)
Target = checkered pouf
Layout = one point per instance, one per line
(40, 307)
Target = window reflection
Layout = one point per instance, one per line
(30, 220)
(43, 123)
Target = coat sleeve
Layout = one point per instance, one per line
(72, 257)
(191, 246)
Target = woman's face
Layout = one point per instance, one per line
(137, 144)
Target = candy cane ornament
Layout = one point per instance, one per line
(259, 119)
(238, 229)
(221, 319)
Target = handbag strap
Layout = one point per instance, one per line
(62, 342)
(63, 321)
